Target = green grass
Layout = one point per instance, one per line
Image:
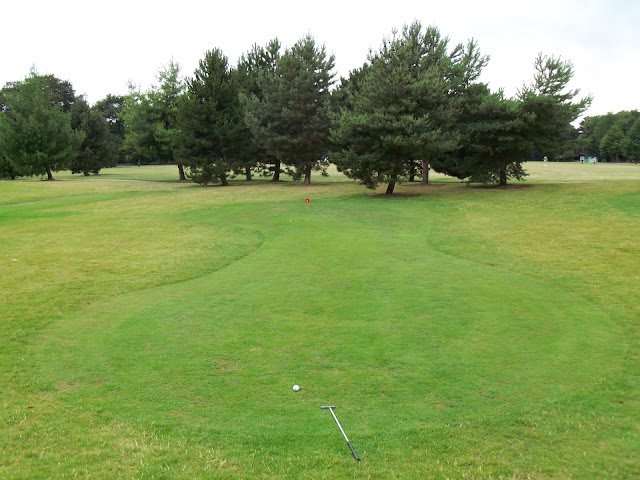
(154, 329)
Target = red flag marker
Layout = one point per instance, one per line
(307, 200)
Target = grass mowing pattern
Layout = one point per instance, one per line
(466, 332)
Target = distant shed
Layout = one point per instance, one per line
(588, 159)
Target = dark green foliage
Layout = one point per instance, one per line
(97, 150)
(7, 169)
(211, 121)
(36, 136)
(593, 130)
(306, 73)
(613, 143)
(552, 104)
(140, 118)
(61, 90)
(632, 141)
(498, 134)
(398, 111)
(112, 109)
(152, 120)
(288, 109)
(260, 84)
(498, 142)
(255, 72)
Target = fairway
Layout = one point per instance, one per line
(154, 329)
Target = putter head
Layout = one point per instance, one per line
(329, 406)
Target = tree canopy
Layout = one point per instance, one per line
(401, 107)
(416, 104)
(36, 136)
(211, 121)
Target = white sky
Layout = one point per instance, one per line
(100, 45)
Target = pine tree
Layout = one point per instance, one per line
(499, 142)
(289, 118)
(36, 136)
(152, 119)
(112, 110)
(400, 116)
(256, 73)
(553, 105)
(97, 148)
(211, 121)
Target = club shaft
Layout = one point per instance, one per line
(353, 451)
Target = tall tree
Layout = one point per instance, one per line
(140, 119)
(62, 91)
(35, 132)
(166, 98)
(211, 121)
(552, 103)
(399, 119)
(256, 73)
(306, 73)
(260, 84)
(613, 144)
(97, 150)
(498, 143)
(112, 109)
(151, 117)
(289, 116)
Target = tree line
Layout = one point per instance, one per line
(614, 137)
(415, 105)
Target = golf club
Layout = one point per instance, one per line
(331, 407)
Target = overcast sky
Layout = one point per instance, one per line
(100, 45)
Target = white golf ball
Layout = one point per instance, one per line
(296, 388)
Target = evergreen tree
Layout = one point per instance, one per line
(289, 117)
(398, 119)
(498, 143)
(256, 73)
(97, 149)
(62, 91)
(152, 119)
(36, 136)
(307, 75)
(552, 104)
(112, 110)
(613, 144)
(7, 169)
(211, 121)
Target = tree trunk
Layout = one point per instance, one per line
(392, 185)
(307, 174)
(86, 174)
(503, 177)
(181, 172)
(247, 172)
(49, 174)
(276, 172)
(425, 172)
(412, 172)
(223, 179)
